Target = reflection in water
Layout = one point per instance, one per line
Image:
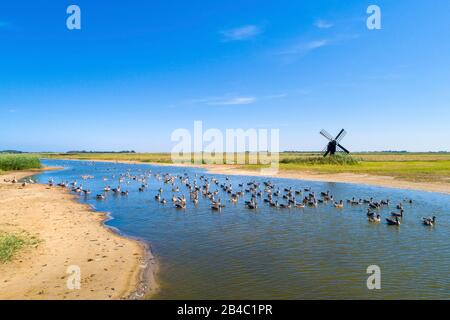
(270, 253)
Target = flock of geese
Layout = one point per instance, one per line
(265, 193)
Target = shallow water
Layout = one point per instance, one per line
(311, 253)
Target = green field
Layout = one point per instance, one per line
(420, 167)
(13, 162)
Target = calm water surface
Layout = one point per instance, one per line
(314, 253)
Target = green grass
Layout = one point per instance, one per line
(337, 160)
(10, 243)
(12, 162)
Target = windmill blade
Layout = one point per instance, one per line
(341, 135)
(326, 135)
(326, 153)
(343, 149)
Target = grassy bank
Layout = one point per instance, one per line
(11, 243)
(419, 167)
(13, 162)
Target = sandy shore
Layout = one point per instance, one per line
(69, 234)
(365, 179)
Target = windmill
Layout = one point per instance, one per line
(334, 143)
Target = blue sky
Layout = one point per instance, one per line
(137, 70)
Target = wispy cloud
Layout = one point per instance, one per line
(304, 47)
(241, 33)
(234, 101)
(322, 24)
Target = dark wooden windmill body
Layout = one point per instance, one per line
(334, 145)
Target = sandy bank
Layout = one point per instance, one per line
(70, 234)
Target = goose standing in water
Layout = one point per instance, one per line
(180, 205)
(252, 205)
(392, 222)
(398, 214)
(429, 221)
(285, 206)
(339, 205)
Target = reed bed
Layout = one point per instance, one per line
(13, 162)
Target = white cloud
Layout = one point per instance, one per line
(241, 33)
(322, 24)
(304, 47)
(300, 49)
(233, 101)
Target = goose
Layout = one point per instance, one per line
(14, 180)
(180, 205)
(158, 197)
(339, 205)
(399, 206)
(429, 221)
(373, 205)
(274, 204)
(370, 213)
(325, 194)
(375, 219)
(398, 214)
(124, 193)
(116, 190)
(285, 206)
(300, 205)
(100, 197)
(394, 222)
(216, 207)
(107, 189)
(312, 203)
(252, 206)
(163, 201)
(87, 191)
